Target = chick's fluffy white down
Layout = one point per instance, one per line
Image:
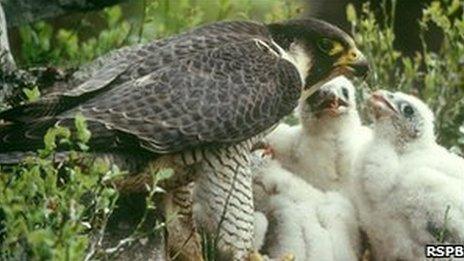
(304, 221)
(321, 150)
(403, 193)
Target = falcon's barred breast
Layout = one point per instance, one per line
(203, 95)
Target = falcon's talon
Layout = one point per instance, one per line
(265, 147)
(268, 151)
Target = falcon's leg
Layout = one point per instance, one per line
(183, 239)
(223, 200)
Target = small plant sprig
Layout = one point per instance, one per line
(444, 231)
(49, 209)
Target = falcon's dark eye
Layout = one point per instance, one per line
(345, 92)
(408, 111)
(326, 45)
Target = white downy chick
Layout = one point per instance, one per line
(322, 148)
(302, 220)
(407, 185)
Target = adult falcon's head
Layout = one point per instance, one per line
(401, 118)
(319, 50)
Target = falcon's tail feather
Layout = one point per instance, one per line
(19, 140)
(35, 110)
(14, 157)
(53, 104)
(23, 137)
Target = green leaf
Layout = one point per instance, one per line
(164, 174)
(32, 94)
(82, 132)
(351, 13)
(113, 15)
(50, 138)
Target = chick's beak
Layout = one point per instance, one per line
(381, 105)
(326, 102)
(354, 62)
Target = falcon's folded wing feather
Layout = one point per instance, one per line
(134, 62)
(217, 96)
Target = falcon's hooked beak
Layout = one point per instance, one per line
(381, 105)
(319, 50)
(327, 102)
(352, 63)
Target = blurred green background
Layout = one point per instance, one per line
(78, 38)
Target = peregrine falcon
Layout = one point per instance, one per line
(409, 189)
(201, 98)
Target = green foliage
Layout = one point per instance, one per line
(49, 209)
(35, 46)
(437, 77)
(32, 94)
(50, 139)
(444, 231)
(82, 133)
(58, 210)
(167, 17)
(41, 43)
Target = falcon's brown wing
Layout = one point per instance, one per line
(134, 62)
(219, 96)
(224, 95)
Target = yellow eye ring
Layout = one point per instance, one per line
(330, 47)
(336, 49)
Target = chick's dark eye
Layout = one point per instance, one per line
(325, 45)
(408, 111)
(345, 93)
